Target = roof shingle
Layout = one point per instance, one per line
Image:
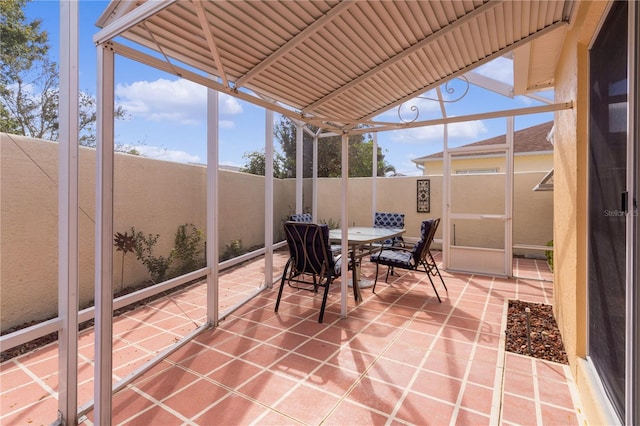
(531, 139)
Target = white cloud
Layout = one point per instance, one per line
(160, 153)
(408, 110)
(407, 167)
(229, 105)
(500, 69)
(179, 101)
(470, 130)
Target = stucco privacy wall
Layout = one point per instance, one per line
(570, 198)
(157, 196)
(532, 215)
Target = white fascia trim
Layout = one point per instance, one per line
(131, 19)
(490, 84)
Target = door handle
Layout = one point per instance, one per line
(624, 201)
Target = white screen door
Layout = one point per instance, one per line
(479, 237)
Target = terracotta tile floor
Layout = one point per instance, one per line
(400, 357)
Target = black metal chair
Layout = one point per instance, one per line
(307, 218)
(413, 258)
(311, 264)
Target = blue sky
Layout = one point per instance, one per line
(167, 115)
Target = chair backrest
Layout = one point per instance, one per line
(301, 217)
(309, 247)
(427, 232)
(389, 220)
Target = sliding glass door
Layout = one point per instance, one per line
(609, 205)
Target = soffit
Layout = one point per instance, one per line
(340, 63)
(535, 63)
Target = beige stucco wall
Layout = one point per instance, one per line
(157, 196)
(521, 163)
(533, 211)
(570, 198)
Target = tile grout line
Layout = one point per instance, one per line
(346, 393)
(378, 357)
(393, 414)
(497, 401)
(465, 378)
(36, 380)
(536, 392)
(156, 403)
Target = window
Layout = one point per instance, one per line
(476, 171)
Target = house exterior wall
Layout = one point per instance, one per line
(156, 197)
(521, 163)
(570, 200)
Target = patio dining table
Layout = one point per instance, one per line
(361, 242)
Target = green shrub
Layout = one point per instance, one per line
(331, 223)
(188, 249)
(233, 249)
(549, 254)
(156, 265)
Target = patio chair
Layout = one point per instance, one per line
(390, 220)
(301, 217)
(307, 218)
(413, 258)
(311, 264)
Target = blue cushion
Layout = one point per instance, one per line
(399, 258)
(390, 220)
(301, 217)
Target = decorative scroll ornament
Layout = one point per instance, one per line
(448, 88)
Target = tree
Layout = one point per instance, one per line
(22, 44)
(329, 153)
(256, 164)
(29, 86)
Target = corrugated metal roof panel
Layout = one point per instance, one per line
(344, 61)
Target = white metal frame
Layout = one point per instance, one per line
(103, 365)
(268, 198)
(213, 112)
(344, 219)
(68, 274)
(476, 259)
(68, 227)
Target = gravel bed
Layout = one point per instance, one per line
(545, 341)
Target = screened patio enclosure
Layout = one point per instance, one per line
(315, 62)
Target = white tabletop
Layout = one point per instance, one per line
(365, 235)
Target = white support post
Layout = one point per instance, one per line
(344, 224)
(508, 201)
(299, 168)
(314, 195)
(68, 304)
(374, 177)
(446, 185)
(104, 236)
(268, 199)
(212, 207)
